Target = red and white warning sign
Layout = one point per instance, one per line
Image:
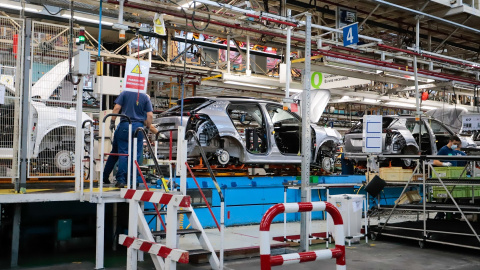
(136, 76)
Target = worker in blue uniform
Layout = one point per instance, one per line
(112, 159)
(139, 108)
(451, 149)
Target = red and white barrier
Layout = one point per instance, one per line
(267, 261)
(177, 255)
(155, 197)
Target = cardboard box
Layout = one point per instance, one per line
(409, 197)
(393, 174)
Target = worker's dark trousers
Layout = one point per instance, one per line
(121, 139)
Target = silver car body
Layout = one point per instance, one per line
(402, 140)
(326, 139)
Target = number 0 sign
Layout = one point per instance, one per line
(350, 34)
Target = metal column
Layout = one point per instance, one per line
(79, 137)
(22, 183)
(227, 58)
(415, 69)
(16, 235)
(306, 138)
(100, 235)
(287, 58)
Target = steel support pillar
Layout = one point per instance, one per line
(79, 137)
(306, 130)
(100, 236)
(22, 183)
(16, 235)
(415, 69)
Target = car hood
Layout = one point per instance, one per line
(45, 86)
(318, 101)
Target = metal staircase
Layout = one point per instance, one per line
(162, 245)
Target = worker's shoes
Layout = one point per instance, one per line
(120, 185)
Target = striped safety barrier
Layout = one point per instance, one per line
(267, 261)
(155, 197)
(177, 255)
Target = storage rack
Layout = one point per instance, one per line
(446, 232)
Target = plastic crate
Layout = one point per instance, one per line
(448, 172)
(458, 192)
(476, 191)
(314, 179)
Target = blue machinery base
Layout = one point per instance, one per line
(246, 200)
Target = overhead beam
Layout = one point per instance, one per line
(355, 74)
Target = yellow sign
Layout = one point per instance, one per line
(136, 70)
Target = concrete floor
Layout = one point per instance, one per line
(388, 254)
(383, 254)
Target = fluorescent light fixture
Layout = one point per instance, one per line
(400, 104)
(428, 107)
(183, 4)
(369, 100)
(345, 98)
(86, 18)
(18, 6)
(293, 90)
(250, 85)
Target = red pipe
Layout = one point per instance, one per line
(396, 21)
(395, 66)
(203, 195)
(445, 76)
(427, 56)
(179, 15)
(271, 20)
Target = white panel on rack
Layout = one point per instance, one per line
(372, 134)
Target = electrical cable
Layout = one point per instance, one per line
(193, 18)
(51, 13)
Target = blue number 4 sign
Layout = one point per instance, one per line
(350, 34)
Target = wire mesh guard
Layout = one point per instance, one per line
(11, 46)
(53, 97)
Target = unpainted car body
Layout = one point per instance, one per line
(248, 131)
(401, 135)
(52, 128)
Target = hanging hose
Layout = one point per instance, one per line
(217, 186)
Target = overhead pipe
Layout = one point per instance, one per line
(395, 67)
(294, 2)
(426, 15)
(179, 15)
(168, 12)
(426, 55)
(271, 20)
(280, 19)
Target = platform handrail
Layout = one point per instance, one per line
(102, 149)
(118, 115)
(154, 156)
(267, 261)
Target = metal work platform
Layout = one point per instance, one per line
(49, 194)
